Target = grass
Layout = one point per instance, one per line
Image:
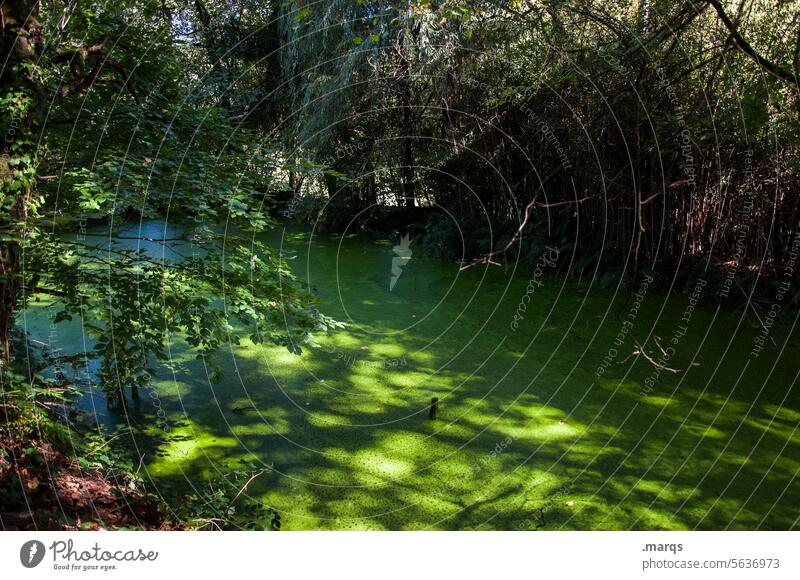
(528, 436)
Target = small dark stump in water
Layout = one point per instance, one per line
(434, 409)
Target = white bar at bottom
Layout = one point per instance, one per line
(404, 555)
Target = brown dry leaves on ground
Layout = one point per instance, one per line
(45, 489)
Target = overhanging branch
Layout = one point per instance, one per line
(744, 47)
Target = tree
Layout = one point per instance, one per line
(148, 146)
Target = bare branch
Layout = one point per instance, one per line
(640, 351)
(770, 67)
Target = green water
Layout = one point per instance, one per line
(525, 422)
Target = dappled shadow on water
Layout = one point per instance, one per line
(528, 436)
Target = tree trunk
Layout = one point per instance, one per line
(21, 90)
(407, 173)
(10, 255)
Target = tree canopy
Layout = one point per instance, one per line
(646, 140)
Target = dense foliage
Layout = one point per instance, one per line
(647, 135)
(652, 136)
(104, 130)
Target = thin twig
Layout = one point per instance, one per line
(244, 487)
(487, 258)
(568, 202)
(104, 444)
(656, 340)
(640, 350)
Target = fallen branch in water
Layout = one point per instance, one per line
(640, 351)
(656, 340)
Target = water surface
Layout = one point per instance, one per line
(529, 435)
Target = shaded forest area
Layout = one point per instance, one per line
(649, 138)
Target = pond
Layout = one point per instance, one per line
(547, 419)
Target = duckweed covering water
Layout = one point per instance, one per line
(529, 435)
